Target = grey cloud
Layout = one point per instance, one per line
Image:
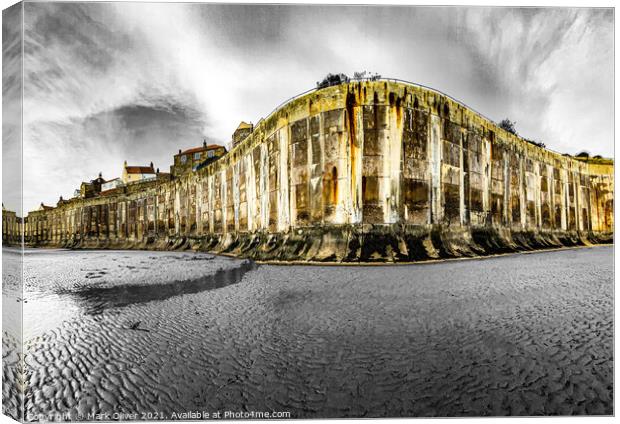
(11, 108)
(68, 153)
(138, 81)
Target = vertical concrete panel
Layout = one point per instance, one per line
(235, 194)
(119, 220)
(177, 212)
(170, 211)
(598, 208)
(538, 195)
(355, 135)
(198, 208)
(265, 189)
(372, 158)
(283, 182)
(462, 210)
(334, 166)
(394, 165)
(578, 202)
(250, 187)
(572, 221)
(551, 191)
(206, 211)
(273, 174)
(259, 191)
(224, 202)
(522, 192)
(595, 217)
(507, 194)
(344, 204)
(211, 202)
(299, 176)
(316, 166)
(415, 191)
(242, 214)
(385, 172)
(486, 176)
(435, 161)
(564, 197)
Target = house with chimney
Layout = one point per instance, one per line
(90, 188)
(189, 160)
(133, 173)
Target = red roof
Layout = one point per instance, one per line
(139, 170)
(201, 149)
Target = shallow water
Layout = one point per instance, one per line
(515, 335)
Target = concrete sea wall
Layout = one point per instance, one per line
(364, 171)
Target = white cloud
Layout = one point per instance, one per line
(556, 70)
(92, 66)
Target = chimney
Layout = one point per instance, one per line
(125, 164)
(60, 199)
(151, 165)
(158, 170)
(179, 151)
(99, 174)
(204, 143)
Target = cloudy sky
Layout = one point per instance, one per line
(107, 82)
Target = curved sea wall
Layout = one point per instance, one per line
(363, 171)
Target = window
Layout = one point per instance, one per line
(196, 156)
(183, 159)
(210, 153)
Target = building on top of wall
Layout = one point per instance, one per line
(133, 173)
(90, 189)
(163, 176)
(86, 190)
(61, 201)
(188, 160)
(243, 130)
(44, 207)
(10, 226)
(111, 184)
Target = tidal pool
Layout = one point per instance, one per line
(130, 332)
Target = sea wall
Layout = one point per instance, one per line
(364, 171)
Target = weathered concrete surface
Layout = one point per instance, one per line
(364, 171)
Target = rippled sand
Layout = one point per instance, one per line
(516, 335)
(12, 346)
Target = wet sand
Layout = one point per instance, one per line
(514, 335)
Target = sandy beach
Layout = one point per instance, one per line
(130, 332)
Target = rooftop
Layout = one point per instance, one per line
(244, 125)
(200, 149)
(109, 191)
(139, 169)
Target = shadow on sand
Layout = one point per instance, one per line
(95, 300)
